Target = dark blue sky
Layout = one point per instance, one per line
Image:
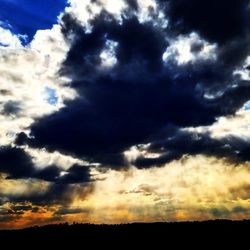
(28, 16)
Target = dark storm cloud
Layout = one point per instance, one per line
(178, 143)
(225, 23)
(22, 139)
(76, 174)
(66, 211)
(11, 108)
(217, 21)
(15, 162)
(133, 4)
(57, 193)
(50, 174)
(20, 209)
(133, 101)
(103, 129)
(85, 51)
(18, 165)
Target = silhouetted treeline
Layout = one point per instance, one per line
(177, 233)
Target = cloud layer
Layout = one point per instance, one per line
(118, 88)
(139, 94)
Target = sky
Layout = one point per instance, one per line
(124, 111)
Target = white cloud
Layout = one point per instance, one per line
(189, 49)
(25, 73)
(9, 40)
(43, 159)
(84, 11)
(140, 150)
(237, 125)
(242, 71)
(108, 55)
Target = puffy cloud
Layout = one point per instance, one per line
(84, 11)
(190, 49)
(244, 70)
(108, 57)
(9, 40)
(27, 73)
(43, 158)
(138, 95)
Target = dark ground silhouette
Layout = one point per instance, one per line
(142, 233)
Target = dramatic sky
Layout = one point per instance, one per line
(115, 111)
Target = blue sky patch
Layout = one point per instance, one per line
(28, 16)
(246, 106)
(51, 96)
